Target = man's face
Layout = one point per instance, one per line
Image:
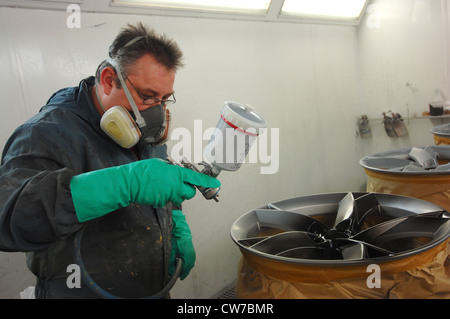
(149, 79)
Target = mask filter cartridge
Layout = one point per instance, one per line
(118, 124)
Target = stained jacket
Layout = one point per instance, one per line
(126, 252)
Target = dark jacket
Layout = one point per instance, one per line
(125, 252)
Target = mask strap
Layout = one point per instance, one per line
(139, 119)
(134, 40)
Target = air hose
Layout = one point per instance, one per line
(101, 293)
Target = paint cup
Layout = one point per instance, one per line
(238, 127)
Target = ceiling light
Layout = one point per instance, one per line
(341, 9)
(245, 6)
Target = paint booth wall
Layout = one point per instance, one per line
(310, 82)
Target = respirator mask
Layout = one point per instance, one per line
(150, 126)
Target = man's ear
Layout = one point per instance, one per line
(108, 79)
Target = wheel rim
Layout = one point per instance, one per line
(342, 229)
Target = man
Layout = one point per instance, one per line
(84, 182)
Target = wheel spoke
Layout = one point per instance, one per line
(353, 212)
(278, 244)
(403, 230)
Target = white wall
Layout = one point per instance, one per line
(310, 81)
(403, 61)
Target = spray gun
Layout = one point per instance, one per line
(208, 193)
(239, 126)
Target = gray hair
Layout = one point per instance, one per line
(133, 42)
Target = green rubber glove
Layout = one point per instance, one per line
(182, 246)
(149, 182)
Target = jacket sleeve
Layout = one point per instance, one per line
(35, 201)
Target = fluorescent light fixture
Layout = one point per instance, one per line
(335, 9)
(239, 6)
